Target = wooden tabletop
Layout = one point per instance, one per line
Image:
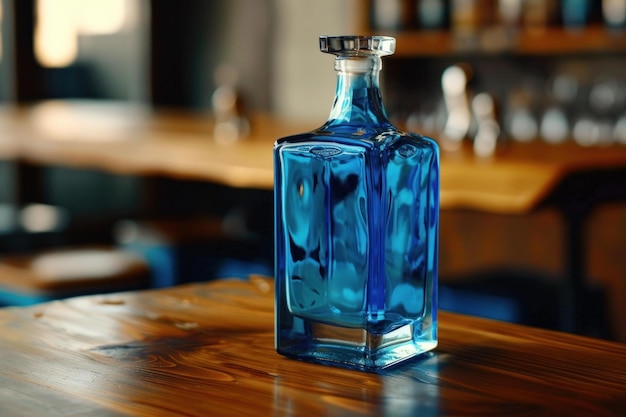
(133, 139)
(207, 350)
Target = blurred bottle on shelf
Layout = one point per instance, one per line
(469, 16)
(606, 101)
(614, 13)
(432, 14)
(429, 117)
(554, 125)
(521, 122)
(466, 18)
(561, 92)
(454, 82)
(619, 131)
(510, 13)
(391, 15)
(487, 125)
(586, 131)
(231, 120)
(575, 13)
(564, 103)
(538, 15)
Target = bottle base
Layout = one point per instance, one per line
(354, 348)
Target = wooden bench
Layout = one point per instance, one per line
(27, 279)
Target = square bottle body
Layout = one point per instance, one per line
(356, 224)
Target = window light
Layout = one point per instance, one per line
(60, 22)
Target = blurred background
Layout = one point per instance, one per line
(492, 76)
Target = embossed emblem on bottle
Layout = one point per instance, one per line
(325, 151)
(407, 150)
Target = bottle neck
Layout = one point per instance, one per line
(358, 102)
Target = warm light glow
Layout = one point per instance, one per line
(56, 37)
(101, 17)
(61, 121)
(42, 218)
(60, 22)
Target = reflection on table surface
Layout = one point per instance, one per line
(208, 348)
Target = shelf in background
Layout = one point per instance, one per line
(554, 41)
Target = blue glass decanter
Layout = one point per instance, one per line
(356, 226)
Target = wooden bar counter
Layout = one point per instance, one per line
(134, 139)
(207, 349)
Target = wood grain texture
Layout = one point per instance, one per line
(134, 140)
(207, 349)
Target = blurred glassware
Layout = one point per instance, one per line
(8, 218)
(432, 14)
(586, 131)
(521, 123)
(575, 13)
(619, 131)
(564, 88)
(510, 12)
(605, 128)
(465, 16)
(387, 14)
(562, 92)
(40, 218)
(454, 81)
(231, 121)
(488, 128)
(430, 118)
(538, 15)
(614, 13)
(606, 102)
(604, 96)
(554, 126)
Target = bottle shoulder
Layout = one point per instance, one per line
(361, 137)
